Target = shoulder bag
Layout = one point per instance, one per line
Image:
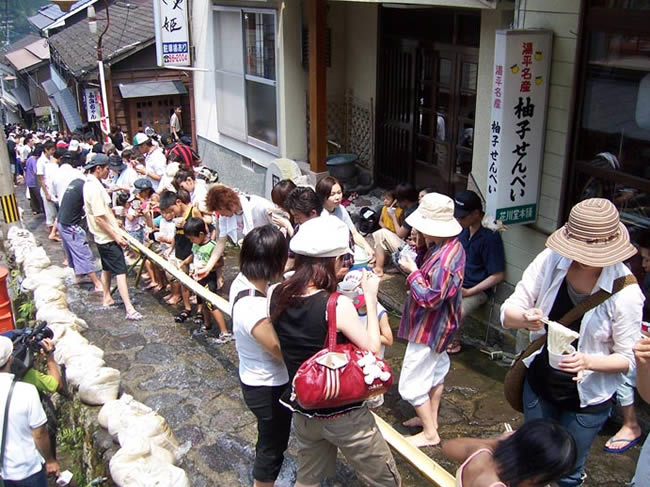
(339, 375)
(513, 384)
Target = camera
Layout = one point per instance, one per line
(27, 342)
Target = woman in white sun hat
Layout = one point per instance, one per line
(583, 257)
(431, 312)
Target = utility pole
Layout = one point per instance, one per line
(9, 214)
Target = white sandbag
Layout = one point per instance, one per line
(32, 282)
(117, 409)
(37, 257)
(16, 233)
(82, 366)
(64, 353)
(74, 337)
(52, 314)
(134, 466)
(101, 387)
(58, 330)
(145, 426)
(46, 294)
(77, 325)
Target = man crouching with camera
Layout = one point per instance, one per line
(24, 440)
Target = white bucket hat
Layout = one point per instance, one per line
(323, 236)
(435, 216)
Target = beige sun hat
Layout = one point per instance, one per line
(435, 216)
(593, 235)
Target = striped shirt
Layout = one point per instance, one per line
(432, 310)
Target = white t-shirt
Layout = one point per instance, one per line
(199, 194)
(342, 214)
(25, 152)
(51, 171)
(64, 176)
(22, 459)
(364, 321)
(167, 230)
(257, 367)
(40, 164)
(155, 162)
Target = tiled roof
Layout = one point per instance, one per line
(50, 13)
(131, 27)
(19, 44)
(29, 55)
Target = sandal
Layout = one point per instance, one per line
(198, 320)
(134, 316)
(182, 316)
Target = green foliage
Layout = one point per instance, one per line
(17, 12)
(26, 312)
(70, 441)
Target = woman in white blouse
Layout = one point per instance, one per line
(582, 257)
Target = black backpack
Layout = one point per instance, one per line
(368, 221)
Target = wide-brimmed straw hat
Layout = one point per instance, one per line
(435, 216)
(593, 235)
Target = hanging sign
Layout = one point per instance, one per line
(93, 101)
(172, 32)
(520, 84)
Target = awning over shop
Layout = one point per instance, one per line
(9, 102)
(22, 96)
(68, 108)
(152, 88)
(50, 87)
(436, 3)
(62, 101)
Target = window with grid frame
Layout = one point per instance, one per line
(246, 80)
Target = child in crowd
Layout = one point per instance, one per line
(134, 218)
(539, 453)
(350, 286)
(202, 247)
(176, 206)
(389, 208)
(164, 238)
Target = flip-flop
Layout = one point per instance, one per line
(133, 316)
(630, 444)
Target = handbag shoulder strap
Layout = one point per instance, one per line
(5, 422)
(596, 299)
(330, 341)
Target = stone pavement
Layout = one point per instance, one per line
(194, 385)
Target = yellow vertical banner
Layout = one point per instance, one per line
(9, 208)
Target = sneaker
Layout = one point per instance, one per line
(223, 338)
(200, 332)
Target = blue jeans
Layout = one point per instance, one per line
(39, 479)
(582, 426)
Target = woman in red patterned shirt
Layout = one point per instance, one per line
(431, 312)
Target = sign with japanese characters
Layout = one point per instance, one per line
(172, 32)
(92, 99)
(520, 84)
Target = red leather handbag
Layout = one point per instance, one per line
(339, 374)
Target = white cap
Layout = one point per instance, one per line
(6, 349)
(323, 236)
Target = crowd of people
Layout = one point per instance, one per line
(301, 248)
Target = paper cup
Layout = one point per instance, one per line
(555, 358)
